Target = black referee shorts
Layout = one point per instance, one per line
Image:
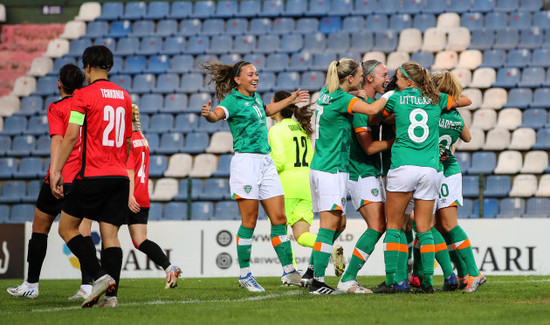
(104, 199)
(47, 203)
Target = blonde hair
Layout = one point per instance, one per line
(338, 71)
(137, 122)
(447, 83)
(222, 75)
(421, 77)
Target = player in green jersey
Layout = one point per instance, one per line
(330, 164)
(292, 152)
(365, 185)
(415, 159)
(253, 176)
(451, 128)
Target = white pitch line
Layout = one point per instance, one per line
(176, 302)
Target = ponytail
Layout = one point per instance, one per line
(421, 77)
(222, 75)
(338, 71)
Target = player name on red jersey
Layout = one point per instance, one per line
(112, 93)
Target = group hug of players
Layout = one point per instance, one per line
(100, 160)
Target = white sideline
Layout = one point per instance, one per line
(175, 302)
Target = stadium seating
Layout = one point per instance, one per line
(524, 185)
(537, 208)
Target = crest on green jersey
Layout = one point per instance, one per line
(247, 188)
(374, 191)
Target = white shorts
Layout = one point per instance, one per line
(410, 206)
(328, 191)
(450, 193)
(254, 176)
(366, 190)
(422, 181)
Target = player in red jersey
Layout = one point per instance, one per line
(101, 187)
(47, 206)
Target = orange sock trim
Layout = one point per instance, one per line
(465, 244)
(440, 247)
(276, 241)
(427, 249)
(403, 248)
(392, 247)
(358, 255)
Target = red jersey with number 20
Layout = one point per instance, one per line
(58, 120)
(107, 125)
(138, 161)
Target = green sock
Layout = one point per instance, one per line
(392, 241)
(417, 261)
(281, 243)
(410, 240)
(336, 235)
(461, 269)
(321, 253)
(361, 252)
(306, 239)
(401, 274)
(244, 248)
(461, 245)
(442, 254)
(427, 252)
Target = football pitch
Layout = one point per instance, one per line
(502, 300)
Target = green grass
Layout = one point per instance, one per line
(502, 300)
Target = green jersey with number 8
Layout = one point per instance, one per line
(333, 128)
(451, 125)
(246, 118)
(417, 128)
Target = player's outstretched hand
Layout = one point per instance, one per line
(206, 108)
(299, 96)
(56, 184)
(133, 205)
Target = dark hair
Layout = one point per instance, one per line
(97, 56)
(222, 75)
(71, 77)
(302, 114)
(392, 85)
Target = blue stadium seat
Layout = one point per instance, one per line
(180, 9)
(202, 210)
(22, 145)
(267, 81)
(543, 139)
(181, 63)
(466, 210)
(506, 39)
(220, 44)
(459, 6)
(236, 26)
(59, 62)
(530, 5)
(33, 189)
(158, 64)
(295, 8)
(46, 166)
(175, 211)
(531, 38)
(352, 55)
(424, 21)
(532, 77)
(30, 105)
(534, 118)
(153, 140)
(507, 77)
(167, 83)
(78, 46)
(196, 143)
(472, 20)
(127, 46)
(157, 165)
(497, 186)
(166, 27)
(260, 26)
(483, 162)
(143, 83)
(389, 6)
(537, 208)
(204, 9)
(377, 23)
(244, 44)
(493, 59)
(353, 24)
(37, 125)
(157, 10)
(463, 159)
(150, 45)
(29, 167)
(496, 20)
(215, 189)
(547, 79)
(385, 41)
(227, 8)
(541, 19)
(318, 8)
(21, 213)
(425, 59)
(546, 42)
(511, 207)
(198, 44)
(174, 103)
(207, 127)
(223, 166)
(42, 146)
(143, 28)
(150, 103)
(191, 82)
(330, 24)
(321, 61)
(490, 208)
(118, 64)
(482, 39)
(134, 10)
(288, 80)
(13, 191)
(111, 10)
(257, 60)
(120, 28)
(49, 99)
(351, 213)
(283, 25)
(184, 191)
(97, 29)
(483, 5)
(190, 27)
(155, 211)
(518, 58)
(541, 98)
(339, 42)
(170, 143)
(313, 80)
(301, 61)
(315, 43)
(230, 58)
(341, 7)
(196, 101)
(291, 43)
(307, 25)
(435, 6)
(249, 8)
(213, 26)
(226, 210)
(364, 8)
(174, 45)
(161, 123)
(400, 22)
(124, 81)
(186, 122)
(519, 98)
(5, 144)
(268, 43)
(14, 125)
(520, 20)
(46, 85)
(506, 5)
(108, 42)
(272, 8)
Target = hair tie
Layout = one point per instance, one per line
(406, 74)
(337, 63)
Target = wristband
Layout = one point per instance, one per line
(388, 94)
